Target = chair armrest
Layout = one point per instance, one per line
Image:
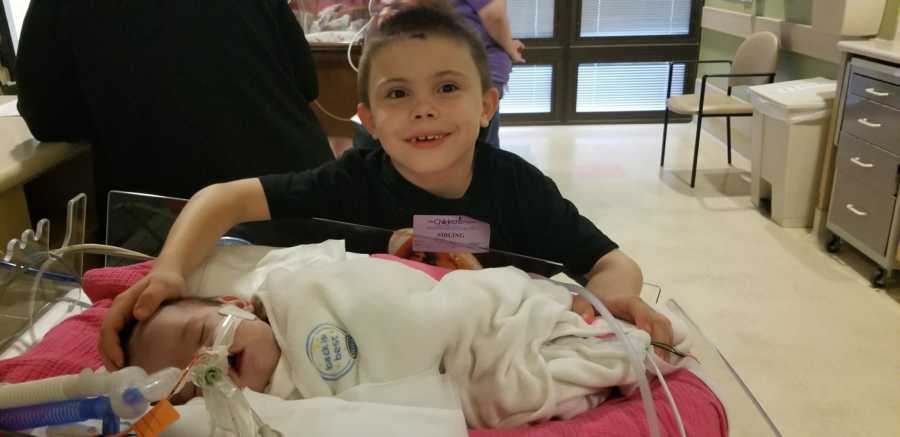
(698, 61)
(771, 77)
(690, 61)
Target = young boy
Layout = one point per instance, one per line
(426, 91)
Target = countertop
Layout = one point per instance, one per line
(886, 50)
(22, 157)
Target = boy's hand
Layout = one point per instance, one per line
(633, 309)
(138, 302)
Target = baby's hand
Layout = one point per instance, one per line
(138, 302)
(584, 309)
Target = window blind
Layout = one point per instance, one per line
(607, 18)
(530, 90)
(625, 87)
(531, 18)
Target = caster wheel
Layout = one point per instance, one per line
(878, 279)
(834, 244)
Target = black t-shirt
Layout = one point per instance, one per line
(174, 95)
(526, 211)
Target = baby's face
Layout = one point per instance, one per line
(174, 334)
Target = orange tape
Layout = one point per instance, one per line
(156, 420)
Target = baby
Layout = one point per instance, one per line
(179, 329)
(510, 345)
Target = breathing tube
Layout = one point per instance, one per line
(227, 406)
(61, 413)
(73, 398)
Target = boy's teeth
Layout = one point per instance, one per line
(428, 137)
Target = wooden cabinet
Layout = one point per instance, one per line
(337, 87)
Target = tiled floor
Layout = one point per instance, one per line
(819, 348)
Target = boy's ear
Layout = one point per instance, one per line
(365, 116)
(490, 103)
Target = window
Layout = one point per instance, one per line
(531, 18)
(605, 18)
(626, 87)
(530, 90)
(600, 61)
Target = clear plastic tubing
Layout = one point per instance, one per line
(634, 359)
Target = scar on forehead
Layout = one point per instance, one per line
(418, 35)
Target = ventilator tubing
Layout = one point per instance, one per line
(129, 390)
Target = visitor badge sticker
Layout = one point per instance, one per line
(450, 233)
(331, 350)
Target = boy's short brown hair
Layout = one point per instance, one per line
(429, 18)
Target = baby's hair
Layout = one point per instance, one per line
(127, 331)
(432, 18)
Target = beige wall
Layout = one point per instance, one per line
(791, 65)
(889, 22)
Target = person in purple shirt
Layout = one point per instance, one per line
(490, 20)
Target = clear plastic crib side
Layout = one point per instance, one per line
(25, 292)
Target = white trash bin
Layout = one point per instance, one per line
(790, 124)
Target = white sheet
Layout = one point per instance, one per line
(421, 405)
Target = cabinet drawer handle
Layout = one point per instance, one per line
(856, 161)
(856, 211)
(873, 92)
(866, 122)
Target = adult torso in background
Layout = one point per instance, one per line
(174, 94)
(498, 61)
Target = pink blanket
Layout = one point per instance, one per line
(66, 349)
(701, 413)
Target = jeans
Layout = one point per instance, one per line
(491, 134)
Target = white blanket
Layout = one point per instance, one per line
(421, 405)
(508, 343)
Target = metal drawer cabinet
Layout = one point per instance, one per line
(874, 167)
(864, 211)
(861, 214)
(873, 122)
(862, 85)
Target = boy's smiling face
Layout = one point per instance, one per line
(427, 106)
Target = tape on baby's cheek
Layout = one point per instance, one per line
(226, 329)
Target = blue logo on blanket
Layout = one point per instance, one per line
(331, 350)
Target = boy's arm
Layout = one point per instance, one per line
(209, 214)
(616, 280)
(496, 22)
